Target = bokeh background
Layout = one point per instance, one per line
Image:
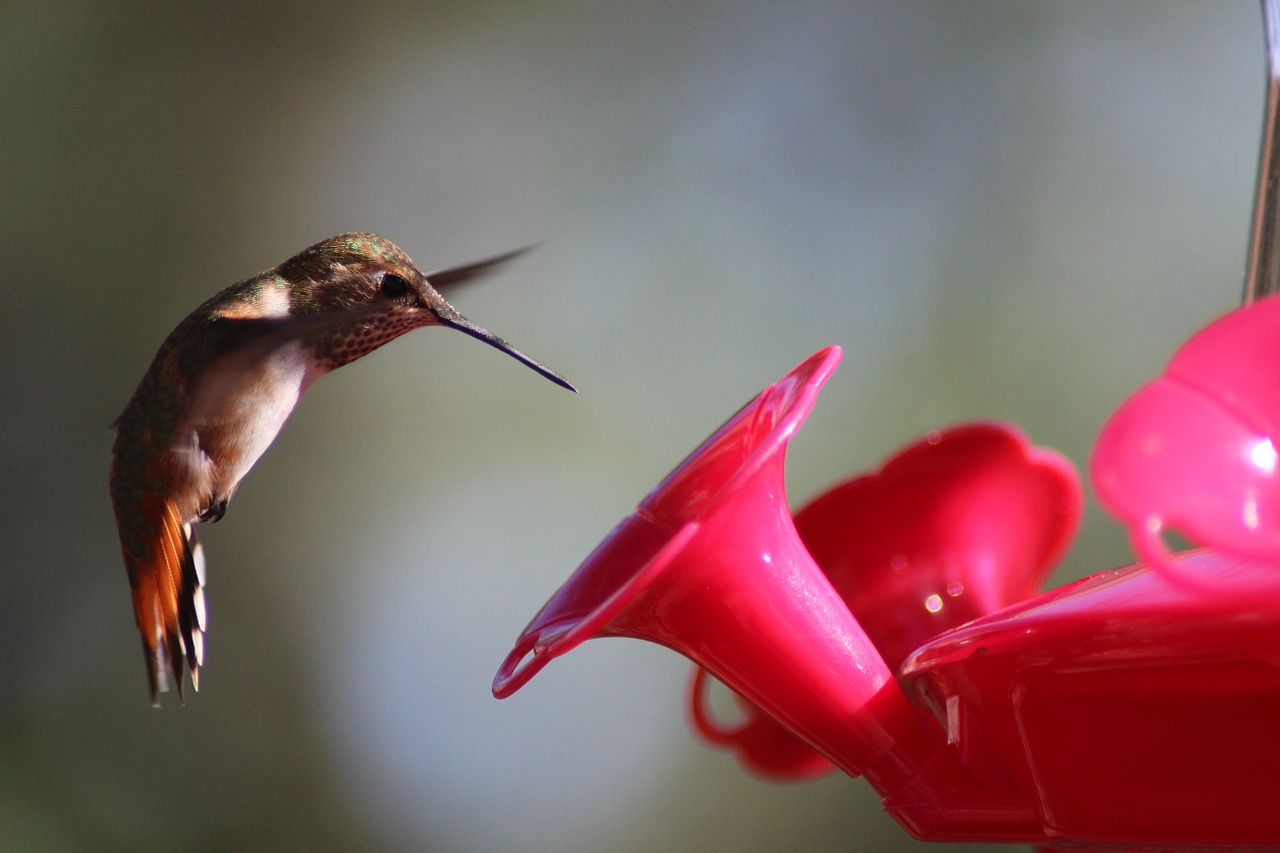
(999, 209)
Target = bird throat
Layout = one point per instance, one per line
(361, 337)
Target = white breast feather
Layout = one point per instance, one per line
(244, 400)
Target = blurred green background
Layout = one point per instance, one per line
(1006, 210)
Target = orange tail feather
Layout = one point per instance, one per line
(168, 599)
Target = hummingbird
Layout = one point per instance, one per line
(218, 392)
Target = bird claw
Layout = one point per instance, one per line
(214, 512)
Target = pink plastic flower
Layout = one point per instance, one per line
(1194, 452)
(954, 526)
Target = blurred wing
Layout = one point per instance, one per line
(446, 279)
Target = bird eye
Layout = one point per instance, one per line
(394, 286)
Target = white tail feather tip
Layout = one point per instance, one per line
(197, 604)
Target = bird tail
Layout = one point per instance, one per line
(168, 599)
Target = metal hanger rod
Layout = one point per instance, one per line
(1262, 275)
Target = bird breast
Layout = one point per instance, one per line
(240, 405)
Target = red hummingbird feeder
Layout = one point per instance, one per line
(891, 627)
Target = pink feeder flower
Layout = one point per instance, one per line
(684, 571)
(1115, 713)
(1193, 452)
(956, 525)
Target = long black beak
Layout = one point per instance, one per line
(454, 320)
(451, 318)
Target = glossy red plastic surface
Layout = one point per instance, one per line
(1139, 716)
(762, 744)
(1134, 710)
(710, 564)
(1192, 451)
(954, 526)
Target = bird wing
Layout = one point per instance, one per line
(168, 596)
(446, 279)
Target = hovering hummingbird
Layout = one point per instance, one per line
(217, 393)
